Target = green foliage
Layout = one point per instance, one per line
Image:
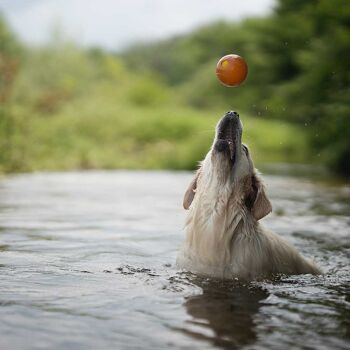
(8, 44)
(156, 105)
(318, 95)
(101, 129)
(10, 126)
(147, 91)
(299, 66)
(61, 73)
(109, 136)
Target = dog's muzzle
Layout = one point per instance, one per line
(229, 134)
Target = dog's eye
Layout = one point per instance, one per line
(245, 149)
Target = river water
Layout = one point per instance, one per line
(87, 261)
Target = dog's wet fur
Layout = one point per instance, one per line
(226, 199)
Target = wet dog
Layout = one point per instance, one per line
(226, 199)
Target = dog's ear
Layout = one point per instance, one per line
(257, 200)
(191, 191)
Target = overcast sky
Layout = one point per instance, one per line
(114, 24)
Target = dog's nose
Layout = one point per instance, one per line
(232, 114)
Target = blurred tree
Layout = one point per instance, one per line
(314, 73)
(9, 50)
(299, 70)
(9, 65)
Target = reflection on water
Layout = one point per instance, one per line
(87, 262)
(227, 311)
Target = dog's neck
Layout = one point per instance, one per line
(213, 224)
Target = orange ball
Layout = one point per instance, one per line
(232, 70)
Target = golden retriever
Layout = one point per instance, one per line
(226, 199)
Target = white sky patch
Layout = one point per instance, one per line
(113, 24)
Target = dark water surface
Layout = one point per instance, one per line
(87, 262)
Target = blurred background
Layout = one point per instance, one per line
(132, 84)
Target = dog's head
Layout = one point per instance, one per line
(227, 173)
